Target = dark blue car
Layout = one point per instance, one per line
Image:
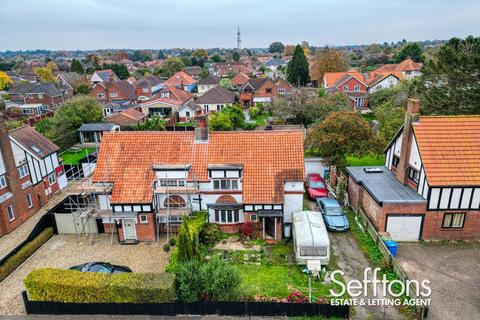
(333, 215)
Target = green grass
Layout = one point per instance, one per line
(70, 157)
(278, 281)
(371, 160)
(184, 124)
(367, 116)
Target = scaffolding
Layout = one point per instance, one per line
(83, 201)
(171, 213)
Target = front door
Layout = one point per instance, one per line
(129, 229)
(269, 228)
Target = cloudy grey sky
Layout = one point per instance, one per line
(92, 24)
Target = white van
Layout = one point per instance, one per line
(310, 238)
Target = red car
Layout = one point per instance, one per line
(316, 187)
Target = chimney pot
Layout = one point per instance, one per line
(413, 105)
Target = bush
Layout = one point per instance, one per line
(166, 247)
(26, 251)
(254, 112)
(215, 280)
(89, 287)
(172, 242)
(210, 234)
(249, 230)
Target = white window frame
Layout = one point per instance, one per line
(254, 217)
(113, 94)
(345, 88)
(23, 171)
(281, 90)
(226, 216)
(3, 182)
(225, 184)
(10, 213)
(100, 95)
(172, 182)
(28, 196)
(143, 219)
(356, 88)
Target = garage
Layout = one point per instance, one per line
(404, 227)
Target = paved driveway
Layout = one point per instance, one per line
(63, 251)
(454, 272)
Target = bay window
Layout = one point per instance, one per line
(227, 216)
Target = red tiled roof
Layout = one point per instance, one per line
(179, 78)
(240, 79)
(177, 96)
(450, 149)
(269, 158)
(133, 114)
(405, 65)
(333, 77)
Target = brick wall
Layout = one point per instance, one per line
(354, 191)
(146, 232)
(230, 228)
(432, 229)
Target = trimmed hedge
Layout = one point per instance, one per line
(24, 253)
(94, 287)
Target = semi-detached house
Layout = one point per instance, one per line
(238, 177)
(429, 187)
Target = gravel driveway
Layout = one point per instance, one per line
(63, 251)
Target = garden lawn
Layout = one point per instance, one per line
(279, 281)
(372, 160)
(261, 120)
(70, 157)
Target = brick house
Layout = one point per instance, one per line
(68, 82)
(127, 118)
(121, 92)
(429, 187)
(262, 90)
(215, 99)
(49, 95)
(166, 102)
(30, 173)
(182, 81)
(236, 176)
(350, 83)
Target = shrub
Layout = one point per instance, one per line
(26, 251)
(220, 281)
(249, 230)
(166, 247)
(89, 287)
(297, 297)
(215, 280)
(254, 112)
(172, 242)
(210, 234)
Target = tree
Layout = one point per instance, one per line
(276, 47)
(297, 69)
(62, 127)
(236, 115)
(120, 70)
(45, 74)
(141, 55)
(76, 66)
(450, 82)
(5, 80)
(225, 83)
(160, 55)
(187, 248)
(220, 121)
(200, 53)
(329, 60)
(52, 66)
(217, 58)
(411, 50)
(155, 123)
(204, 73)
(235, 56)
(83, 88)
(342, 134)
(173, 65)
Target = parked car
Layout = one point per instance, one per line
(333, 215)
(101, 267)
(316, 187)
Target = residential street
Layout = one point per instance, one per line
(453, 272)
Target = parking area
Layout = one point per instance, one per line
(453, 271)
(63, 251)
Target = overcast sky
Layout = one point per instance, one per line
(94, 24)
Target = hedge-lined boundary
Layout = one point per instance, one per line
(95, 287)
(19, 257)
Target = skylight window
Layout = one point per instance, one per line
(34, 148)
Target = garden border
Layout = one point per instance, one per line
(230, 308)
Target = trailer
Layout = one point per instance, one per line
(310, 239)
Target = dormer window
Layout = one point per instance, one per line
(225, 184)
(171, 182)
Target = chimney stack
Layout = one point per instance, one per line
(11, 172)
(363, 68)
(201, 129)
(411, 116)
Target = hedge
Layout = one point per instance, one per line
(24, 253)
(90, 287)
